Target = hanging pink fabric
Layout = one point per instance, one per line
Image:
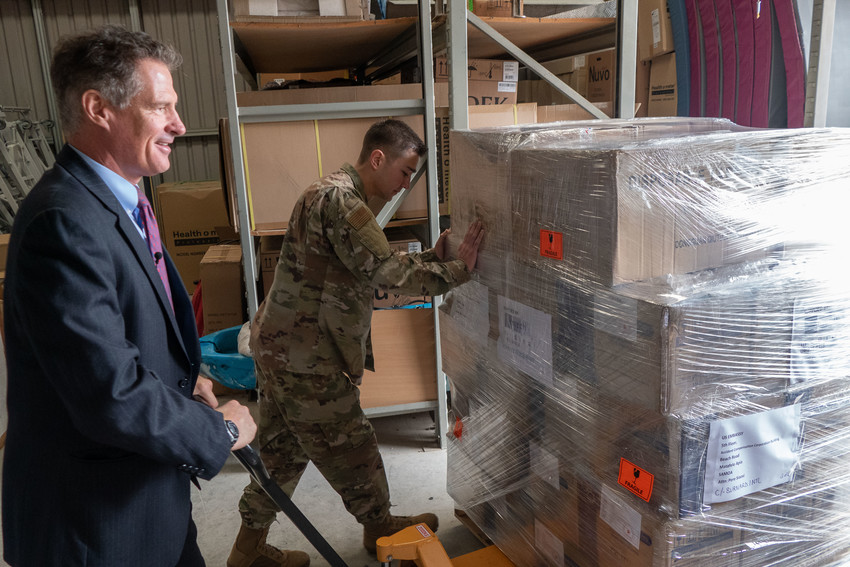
(795, 67)
(743, 13)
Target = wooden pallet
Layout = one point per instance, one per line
(473, 527)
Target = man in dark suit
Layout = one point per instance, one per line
(105, 426)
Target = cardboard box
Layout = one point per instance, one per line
(494, 8)
(255, 8)
(222, 285)
(4, 250)
(404, 345)
(663, 91)
(268, 252)
(284, 158)
(479, 70)
(479, 117)
(480, 93)
(609, 236)
(601, 75)
(655, 32)
(642, 73)
(319, 76)
(188, 213)
(567, 112)
(298, 8)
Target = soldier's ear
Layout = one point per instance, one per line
(377, 158)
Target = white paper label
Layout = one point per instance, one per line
(510, 71)
(544, 464)
(548, 545)
(525, 339)
(817, 340)
(622, 518)
(751, 453)
(656, 27)
(506, 87)
(616, 315)
(413, 247)
(471, 311)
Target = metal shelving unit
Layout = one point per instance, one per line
(235, 58)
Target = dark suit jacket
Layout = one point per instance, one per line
(103, 432)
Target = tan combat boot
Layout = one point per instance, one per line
(393, 524)
(251, 550)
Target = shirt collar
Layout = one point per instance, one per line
(355, 177)
(123, 190)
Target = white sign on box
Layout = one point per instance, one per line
(525, 339)
(751, 453)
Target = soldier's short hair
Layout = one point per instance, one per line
(393, 137)
(104, 60)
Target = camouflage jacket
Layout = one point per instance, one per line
(317, 316)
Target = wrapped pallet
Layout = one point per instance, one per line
(650, 367)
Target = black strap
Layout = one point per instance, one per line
(250, 459)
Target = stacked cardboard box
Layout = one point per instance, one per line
(655, 47)
(190, 214)
(650, 367)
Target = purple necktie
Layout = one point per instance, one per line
(154, 243)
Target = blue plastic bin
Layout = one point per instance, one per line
(221, 361)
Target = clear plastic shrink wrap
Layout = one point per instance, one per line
(651, 366)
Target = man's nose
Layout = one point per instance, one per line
(176, 126)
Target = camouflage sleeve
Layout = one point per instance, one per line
(426, 256)
(361, 245)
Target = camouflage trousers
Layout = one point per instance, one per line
(310, 417)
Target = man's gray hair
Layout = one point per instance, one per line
(104, 60)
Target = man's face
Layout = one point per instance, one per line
(394, 174)
(143, 132)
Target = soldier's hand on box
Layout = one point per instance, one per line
(441, 249)
(468, 249)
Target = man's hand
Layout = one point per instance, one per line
(204, 392)
(241, 416)
(468, 249)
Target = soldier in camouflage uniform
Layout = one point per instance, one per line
(311, 340)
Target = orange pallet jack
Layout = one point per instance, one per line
(420, 545)
(415, 543)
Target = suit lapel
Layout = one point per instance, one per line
(92, 182)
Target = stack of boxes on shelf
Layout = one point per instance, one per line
(195, 229)
(656, 49)
(649, 368)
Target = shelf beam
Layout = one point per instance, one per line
(536, 67)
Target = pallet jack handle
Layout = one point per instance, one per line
(252, 462)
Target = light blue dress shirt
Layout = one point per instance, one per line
(123, 190)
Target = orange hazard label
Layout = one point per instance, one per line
(458, 429)
(635, 479)
(552, 244)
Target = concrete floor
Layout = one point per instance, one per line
(416, 469)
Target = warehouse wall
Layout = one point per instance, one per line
(190, 25)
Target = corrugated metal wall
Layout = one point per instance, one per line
(190, 25)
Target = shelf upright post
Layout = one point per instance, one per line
(457, 59)
(820, 61)
(627, 24)
(426, 62)
(236, 158)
